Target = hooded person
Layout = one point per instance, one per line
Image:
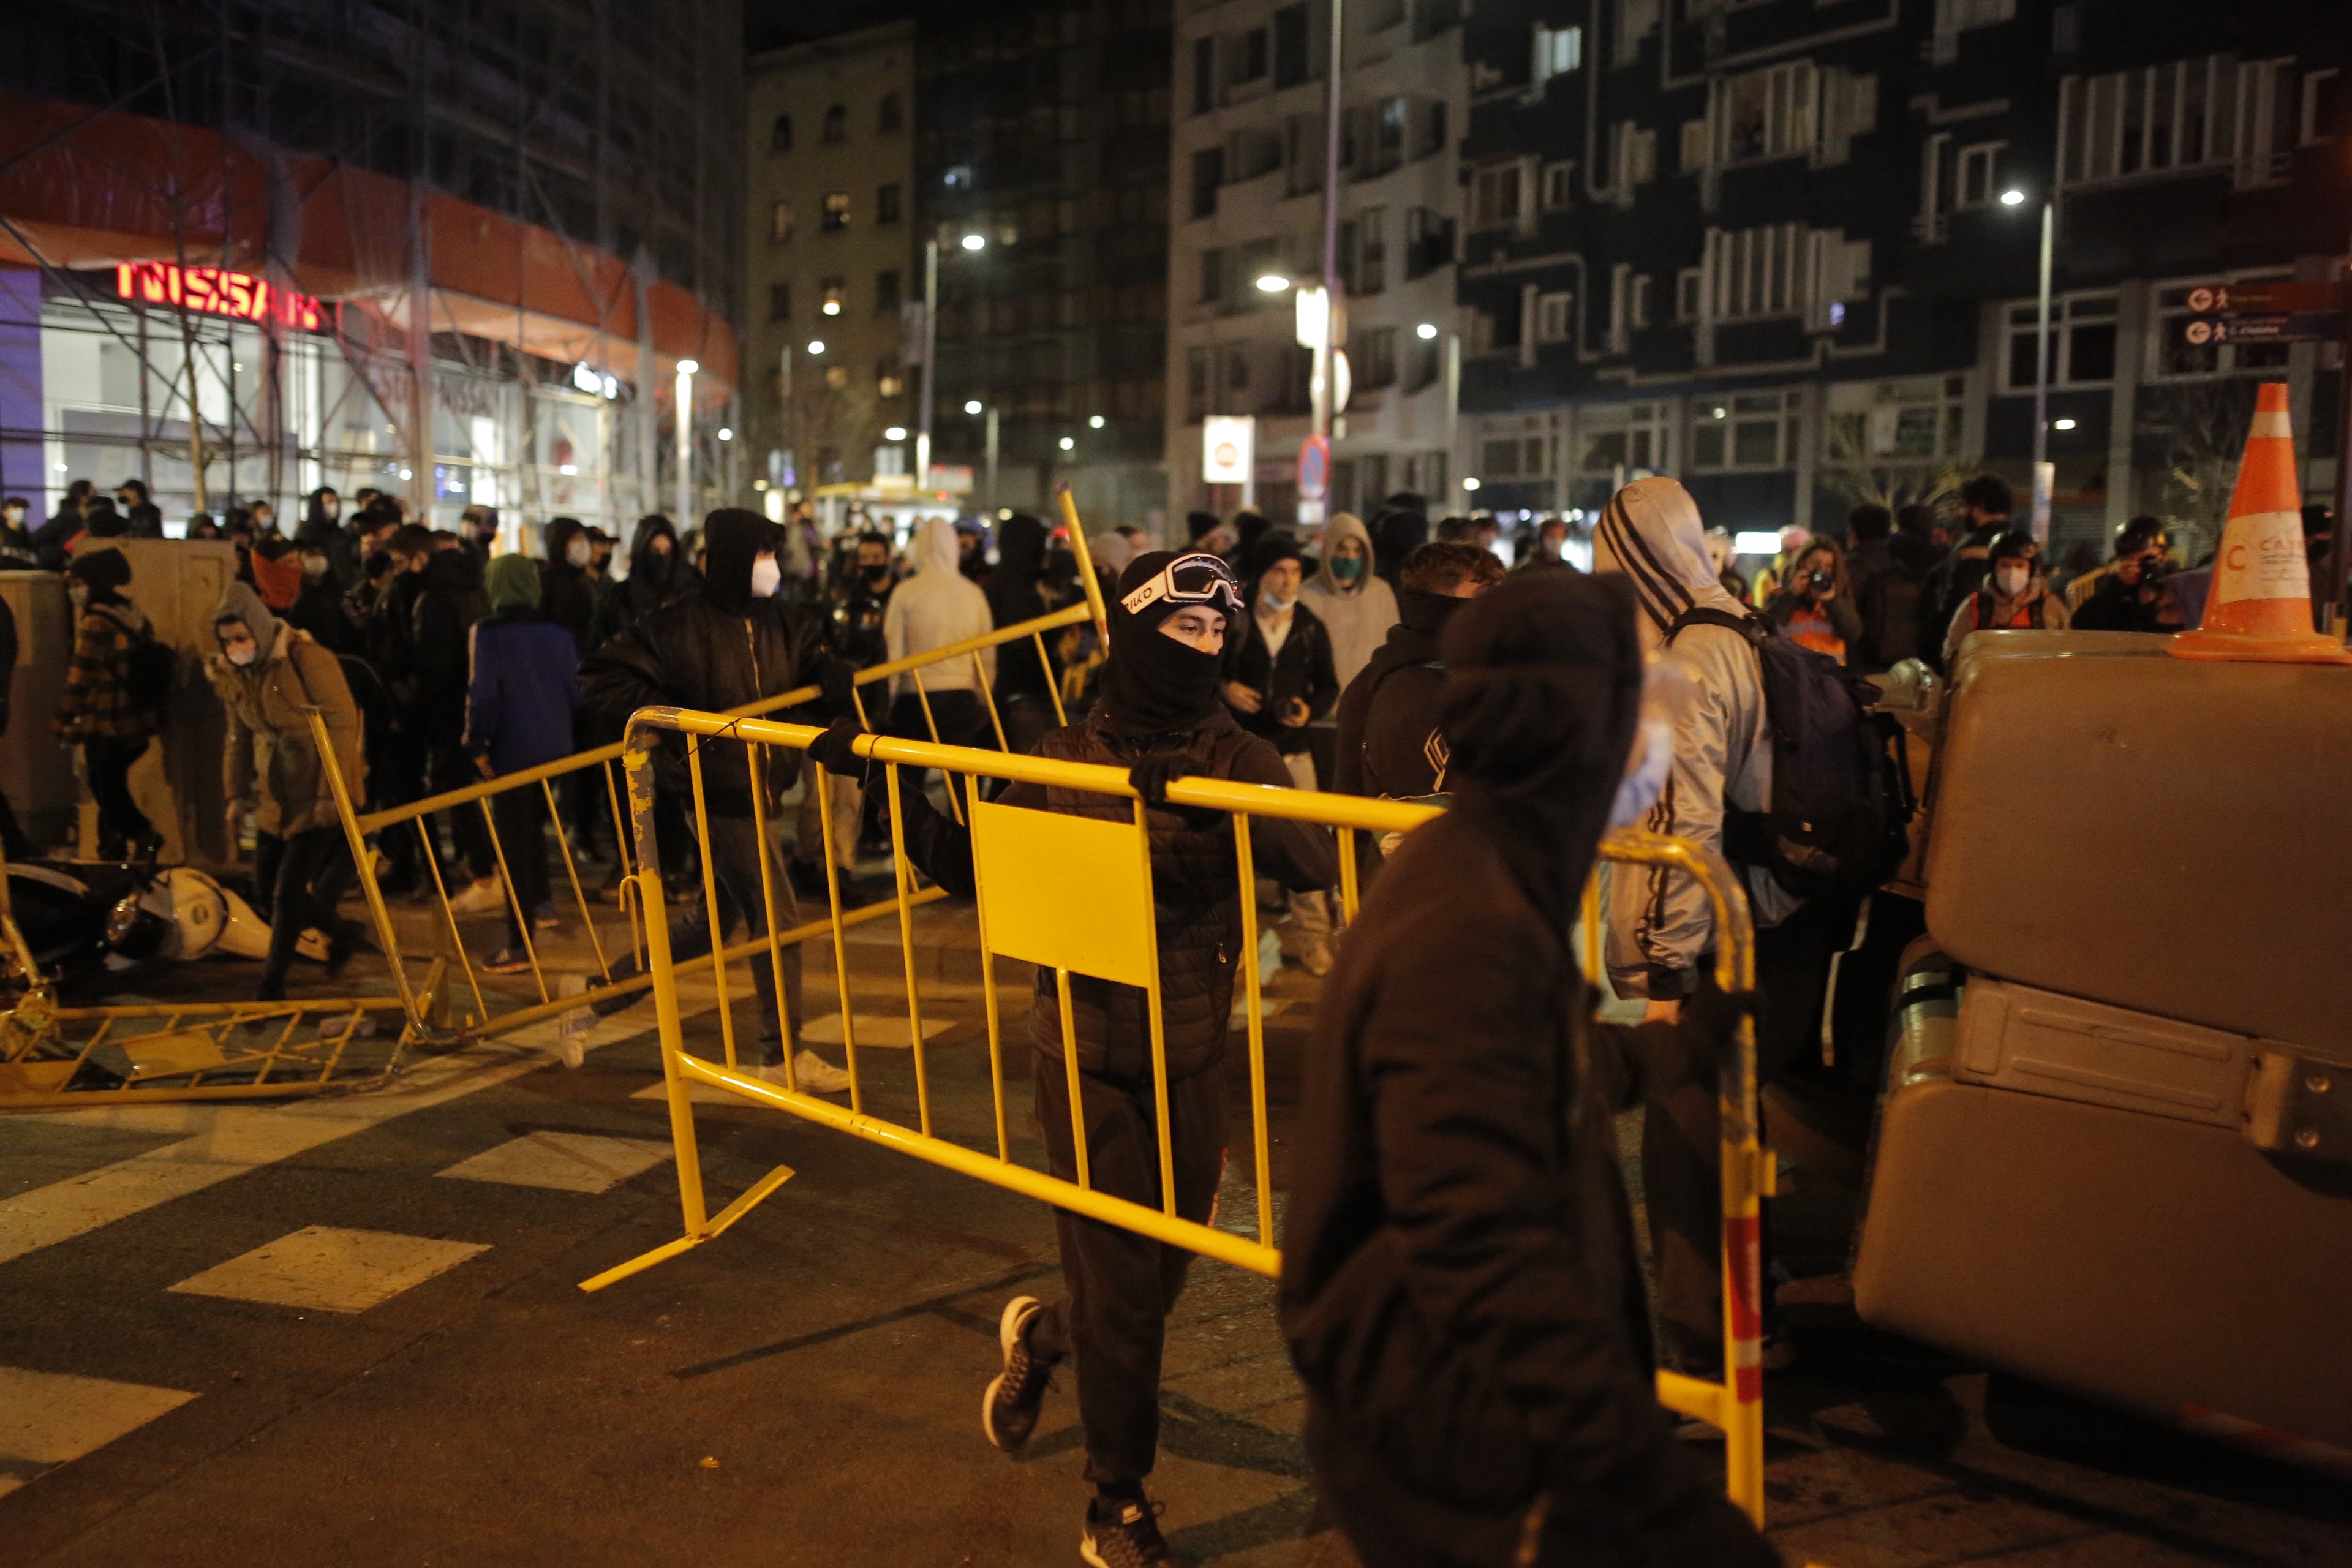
(1159, 720)
(1462, 1291)
(518, 709)
(100, 708)
(657, 573)
(1389, 743)
(2014, 597)
(567, 594)
(1111, 551)
(1348, 597)
(1401, 532)
(1707, 687)
(937, 608)
(271, 676)
(731, 645)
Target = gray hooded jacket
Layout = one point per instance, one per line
(1707, 686)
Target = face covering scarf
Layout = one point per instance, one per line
(1348, 568)
(1154, 684)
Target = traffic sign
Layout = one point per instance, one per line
(1228, 444)
(2264, 299)
(2271, 327)
(1314, 468)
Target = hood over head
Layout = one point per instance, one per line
(1651, 534)
(1020, 546)
(1344, 525)
(241, 603)
(936, 547)
(557, 535)
(657, 571)
(1111, 551)
(732, 537)
(513, 582)
(1271, 551)
(1543, 690)
(1152, 684)
(1401, 532)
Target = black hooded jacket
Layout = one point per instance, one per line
(721, 650)
(449, 601)
(567, 594)
(1388, 743)
(1014, 598)
(1461, 1289)
(649, 585)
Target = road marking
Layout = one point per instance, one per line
(48, 1418)
(331, 1270)
(873, 1029)
(566, 1162)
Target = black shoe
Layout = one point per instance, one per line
(1008, 1412)
(1125, 1534)
(349, 938)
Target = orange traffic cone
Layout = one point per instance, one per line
(2260, 607)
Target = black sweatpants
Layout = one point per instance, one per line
(520, 816)
(449, 767)
(1681, 1132)
(106, 763)
(1121, 1285)
(314, 868)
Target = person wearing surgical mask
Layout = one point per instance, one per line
(2013, 597)
(17, 551)
(1354, 605)
(318, 606)
(734, 643)
(567, 594)
(1280, 678)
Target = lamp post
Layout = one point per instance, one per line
(2044, 472)
(686, 369)
(974, 242)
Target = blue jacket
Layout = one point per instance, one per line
(519, 703)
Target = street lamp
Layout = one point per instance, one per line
(1273, 282)
(1425, 331)
(816, 345)
(895, 432)
(2044, 475)
(1096, 422)
(1068, 443)
(971, 406)
(974, 242)
(971, 242)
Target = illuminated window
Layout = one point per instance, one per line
(780, 222)
(836, 210)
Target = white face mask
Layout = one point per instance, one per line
(314, 567)
(577, 552)
(2010, 581)
(766, 576)
(1645, 777)
(79, 595)
(242, 653)
(1268, 602)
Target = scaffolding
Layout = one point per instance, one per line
(599, 140)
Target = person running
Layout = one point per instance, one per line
(271, 676)
(729, 646)
(1461, 1289)
(1160, 718)
(99, 709)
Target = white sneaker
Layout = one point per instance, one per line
(486, 896)
(817, 1075)
(1317, 958)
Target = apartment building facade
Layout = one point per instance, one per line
(831, 260)
(1042, 171)
(1789, 252)
(1247, 165)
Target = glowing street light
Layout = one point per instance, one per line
(1425, 331)
(1273, 282)
(1096, 422)
(1067, 442)
(1469, 484)
(975, 242)
(2013, 199)
(971, 406)
(896, 433)
(2061, 424)
(816, 345)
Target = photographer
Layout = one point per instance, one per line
(2131, 595)
(1814, 606)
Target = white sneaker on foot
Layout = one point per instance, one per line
(1316, 959)
(818, 1075)
(486, 896)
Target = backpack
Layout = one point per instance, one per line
(1841, 803)
(149, 668)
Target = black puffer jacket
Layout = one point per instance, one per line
(449, 600)
(1196, 895)
(691, 653)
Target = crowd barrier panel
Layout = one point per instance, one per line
(1073, 895)
(428, 1006)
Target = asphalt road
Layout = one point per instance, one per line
(349, 1332)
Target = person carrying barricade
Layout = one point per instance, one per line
(1462, 1291)
(1160, 718)
(729, 646)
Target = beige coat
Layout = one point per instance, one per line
(269, 741)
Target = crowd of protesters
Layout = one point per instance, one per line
(1462, 1291)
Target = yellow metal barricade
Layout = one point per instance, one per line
(491, 1008)
(1073, 895)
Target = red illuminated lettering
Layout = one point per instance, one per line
(215, 291)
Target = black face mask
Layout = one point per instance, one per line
(1154, 684)
(876, 575)
(656, 567)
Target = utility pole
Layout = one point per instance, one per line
(930, 354)
(1322, 386)
(2044, 475)
(991, 457)
(420, 360)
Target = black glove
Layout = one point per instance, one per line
(834, 751)
(1710, 1019)
(1152, 775)
(836, 677)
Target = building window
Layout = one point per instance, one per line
(1555, 317)
(1751, 430)
(1256, 48)
(888, 380)
(888, 116)
(1208, 173)
(1212, 277)
(1767, 113)
(1196, 386)
(780, 134)
(1497, 195)
(1370, 273)
(2189, 114)
(1557, 53)
(1756, 272)
(1621, 440)
(1980, 174)
(1917, 419)
(1637, 157)
(779, 301)
(834, 289)
(836, 210)
(1428, 242)
(1237, 378)
(780, 222)
(886, 292)
(1686, 292)
(837, 376)
(1204, 74)
(1638, 309)
(1559, 187)
(2323, 107)
(1378, 366)
(837, 125)
(2081, 342)
(1290, 46)
(885, 204)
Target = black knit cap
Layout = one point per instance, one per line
(104, 570)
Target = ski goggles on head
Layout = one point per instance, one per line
(1193, 579)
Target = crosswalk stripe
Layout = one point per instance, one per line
(565, 1161)
(48, 1418)
(327, 1269)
